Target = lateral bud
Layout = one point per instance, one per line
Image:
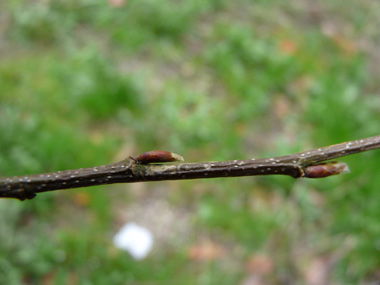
(326, 169)
(158, 156)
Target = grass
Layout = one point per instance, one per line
(84, 84)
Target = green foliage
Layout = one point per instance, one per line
(83, 82)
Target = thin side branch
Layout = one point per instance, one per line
(304, 164)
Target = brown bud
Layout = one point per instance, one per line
(326, 169)
(158, 156)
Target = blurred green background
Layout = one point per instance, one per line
(85, 83)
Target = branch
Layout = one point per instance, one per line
(304, 164)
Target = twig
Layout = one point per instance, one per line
(304, 164)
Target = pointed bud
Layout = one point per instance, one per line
(326, 169)
(158, 156)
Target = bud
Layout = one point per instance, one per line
(326, 169)
(158, 156)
